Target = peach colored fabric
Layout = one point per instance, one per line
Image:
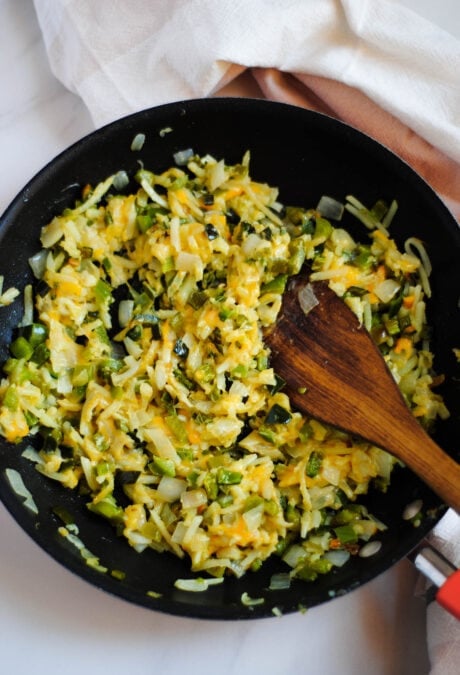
(353, 107)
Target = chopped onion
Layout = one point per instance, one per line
(330, 208)
(182, 156)
(294, 555)
(387, 289)
(125, 312)
(217, 175)
(253, 517)
(17, 485)
(192, 499)
(179, 532)
(247, 601)
(197, 585)
(121, 180)
(342, 240)
(38, 263)
(307, 298)
(280, 581)
(90, 559)
(338, 557)
(28, 314)
(170, 489)
(253, 245)
(9, 295)
(162, 443)
(32, 455)
(138, 142)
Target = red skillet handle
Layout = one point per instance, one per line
(442, 574)
(449, 594)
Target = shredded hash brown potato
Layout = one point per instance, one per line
(143, 379)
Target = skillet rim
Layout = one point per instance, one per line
(36, 183)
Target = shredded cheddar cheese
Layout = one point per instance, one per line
(146, 376)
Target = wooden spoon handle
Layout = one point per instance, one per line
(436, 468)
(333, 371)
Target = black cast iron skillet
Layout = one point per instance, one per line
(307, 155)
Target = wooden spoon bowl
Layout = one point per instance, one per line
(335, 372)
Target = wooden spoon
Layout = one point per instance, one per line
(335, 372)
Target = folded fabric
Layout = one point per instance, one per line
(443, 629)
(375, 65)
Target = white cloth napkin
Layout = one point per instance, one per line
(374, 64)
(443, 629)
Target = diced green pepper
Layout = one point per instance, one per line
(276, 285)
(108, 366)
(144, 222)
(163, 466)
(21, 348)
(271, 508)
(310, 570)
(355, 291)
(106, 264)
(102, 335)
(225, 500)
(225, 313)
(210, 485)
(135, 333)
(279, 384)
(239, 371)
(31, 419)
(178, 428)
(185, 453)
(297, 258)
(292, 515)
(227, 477)
(11, 398)
(102, 292)
(346, 534)
(35, 334)
(41, 354)
(392, 326)
(305, 432)
(197, 299)
(347, 515)
(82, 375)
(179, 183)
(102, 468)
(267, 434)
(205, 373)
(314, 464)
(107, 508)
(362, 257)
(168, 265)
(278, 415)
(323, 228)
(192, 478)
(379, 210)
(127, 477)
(252, 502)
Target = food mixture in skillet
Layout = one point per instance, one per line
(141, 376)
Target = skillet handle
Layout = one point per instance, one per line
(448, 595)
(442, 574)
